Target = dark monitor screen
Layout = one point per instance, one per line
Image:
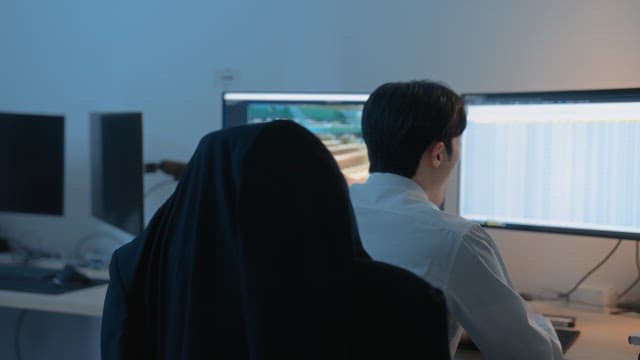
(32, 158)
(116, 170)
(334, 117)
(566, 162)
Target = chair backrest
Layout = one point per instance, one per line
(397, 315)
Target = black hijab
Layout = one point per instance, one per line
(254, 256)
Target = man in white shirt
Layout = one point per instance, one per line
(412, 131)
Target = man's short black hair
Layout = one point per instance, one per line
(401, 119)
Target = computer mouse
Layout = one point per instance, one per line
(68, 276)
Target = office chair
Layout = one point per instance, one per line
(247, 260)
(397, 315)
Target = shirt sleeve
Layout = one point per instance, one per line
(494, 315)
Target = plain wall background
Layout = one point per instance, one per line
(169, 59)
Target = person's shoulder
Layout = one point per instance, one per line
(357, 190)
(128, 249)
(477, 243)
(457, 224)
(375, 196)
(380, 189)
(476, 234)
(126, 259)
(470, 236)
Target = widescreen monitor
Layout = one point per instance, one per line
(333, 117)
(32, 158)
(566, 162)
(117, 170)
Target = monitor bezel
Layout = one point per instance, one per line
(98, 116)
(290, 97)
(622, 95)
(60, 212)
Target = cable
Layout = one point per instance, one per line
(17, 334)
(625, 291)
(575, 287)
(157, 186)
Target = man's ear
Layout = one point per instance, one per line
(437, 154)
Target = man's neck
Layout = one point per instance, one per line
(435, 192)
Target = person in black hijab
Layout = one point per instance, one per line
(256, 255)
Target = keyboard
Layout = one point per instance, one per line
(32, 279)
(25, 272)
(567, 337)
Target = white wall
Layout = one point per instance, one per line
(163, 58)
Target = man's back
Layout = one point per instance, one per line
(399, 225)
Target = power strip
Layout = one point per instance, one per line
(595, 295)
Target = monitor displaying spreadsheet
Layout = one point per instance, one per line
(553, 161)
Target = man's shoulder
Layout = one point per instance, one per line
(414, 212)
(357, 191)
(455, 224)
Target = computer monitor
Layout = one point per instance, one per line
(565, 162)
(116, 170)
(333, 117)
(32, 160)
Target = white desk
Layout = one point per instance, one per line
(602, 336)
(87, 301)
(82, 302)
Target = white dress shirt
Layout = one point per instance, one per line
(399, 225)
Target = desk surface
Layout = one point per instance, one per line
(602, 335)
(87, 301)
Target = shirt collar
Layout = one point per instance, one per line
(401, 183)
